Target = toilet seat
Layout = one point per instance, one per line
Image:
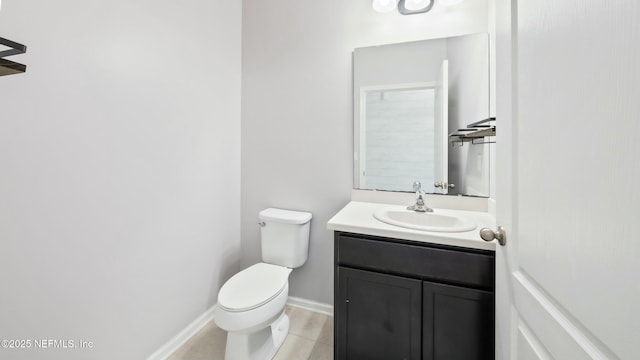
(253, 287)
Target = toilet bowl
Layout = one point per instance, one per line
(251, 303)
(251, 309)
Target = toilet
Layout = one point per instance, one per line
(251, 304)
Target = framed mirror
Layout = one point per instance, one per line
(408, 98)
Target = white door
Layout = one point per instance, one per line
(441, 130)
(568, 179)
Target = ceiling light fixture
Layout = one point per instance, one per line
(409, 7)
(382, 6)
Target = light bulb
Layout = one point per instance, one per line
(416, 4)
(384, 6)
(450, 2)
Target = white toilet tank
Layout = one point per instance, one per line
(285, 237)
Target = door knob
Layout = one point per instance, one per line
(488, 235)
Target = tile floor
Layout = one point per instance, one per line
(310, 338)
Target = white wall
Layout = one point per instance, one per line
(491, 4)
(119, 171)
(297, 127)
(417, 61)
(469, 102)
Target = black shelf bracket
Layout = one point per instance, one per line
(8, 67)
(476, 133)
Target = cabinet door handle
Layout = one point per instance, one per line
(489, 235)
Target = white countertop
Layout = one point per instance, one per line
(357, 217)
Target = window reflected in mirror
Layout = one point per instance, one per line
(399, 133)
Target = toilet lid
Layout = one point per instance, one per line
(253, 287)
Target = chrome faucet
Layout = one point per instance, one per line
(419, 205)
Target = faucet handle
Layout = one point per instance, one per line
(419, 205)
(417, 186)
(444, 185)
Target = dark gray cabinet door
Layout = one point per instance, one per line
(380, 316)
(458, 323)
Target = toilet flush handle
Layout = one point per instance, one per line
(262, 224)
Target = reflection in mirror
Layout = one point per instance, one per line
(402, 119)
(407, 98)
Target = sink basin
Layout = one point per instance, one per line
(424, 221)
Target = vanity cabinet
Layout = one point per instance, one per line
(407, 300)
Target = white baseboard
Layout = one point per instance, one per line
(310, 305)
(183, 336)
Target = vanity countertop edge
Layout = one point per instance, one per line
(357, 217)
